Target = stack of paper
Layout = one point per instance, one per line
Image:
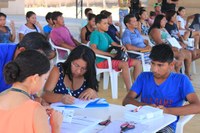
(143, 114)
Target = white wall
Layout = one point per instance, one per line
(14, 7)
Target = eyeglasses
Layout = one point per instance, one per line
(76, 66)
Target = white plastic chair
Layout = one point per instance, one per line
(113, 76)
(146, 67)
(58, 59)
(175, 43)
(182, 121)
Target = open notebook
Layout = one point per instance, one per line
(98, 102)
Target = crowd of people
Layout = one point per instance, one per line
(25, 67)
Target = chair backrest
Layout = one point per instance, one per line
(182, 121)
(56, 48)
(148, 39)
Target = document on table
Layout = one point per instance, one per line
(67, 114)
(83, 103)
(79, 124)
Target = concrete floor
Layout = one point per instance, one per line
(192, 126)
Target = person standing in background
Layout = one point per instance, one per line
(123, 10)
(168, 5)
(135, 6)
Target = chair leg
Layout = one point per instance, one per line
(194, 67)
(105, 80)
(183, 68)
(114, 84)
(98, 77)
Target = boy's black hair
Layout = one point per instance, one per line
(56, 14)
(36, 41)
(106, 13)
(99, 17)
(169, 14)
(48, 16)
(102, 11)
(162, 53)
(87, 10)
(91, 16)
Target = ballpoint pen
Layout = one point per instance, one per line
(69, 92)
(136, 109)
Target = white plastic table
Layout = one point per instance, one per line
(117, 113)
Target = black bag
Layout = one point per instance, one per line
(120, 55)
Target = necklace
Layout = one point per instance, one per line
(21, 91)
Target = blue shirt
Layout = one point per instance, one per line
(5, 36)
(47, 29)
(171, 93)
(133, 38)
(6, 55)
(112, 33)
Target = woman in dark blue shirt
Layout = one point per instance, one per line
(75, 78)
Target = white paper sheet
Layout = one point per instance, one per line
(78, 103)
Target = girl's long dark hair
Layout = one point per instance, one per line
(85, 53)
(156, 23)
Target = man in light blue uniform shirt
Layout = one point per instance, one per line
(131, 37)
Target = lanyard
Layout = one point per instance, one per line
(21, 91)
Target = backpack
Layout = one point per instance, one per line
(120, 55)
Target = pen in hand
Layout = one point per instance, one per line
(69, 92)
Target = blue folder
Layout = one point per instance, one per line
(98, 103)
